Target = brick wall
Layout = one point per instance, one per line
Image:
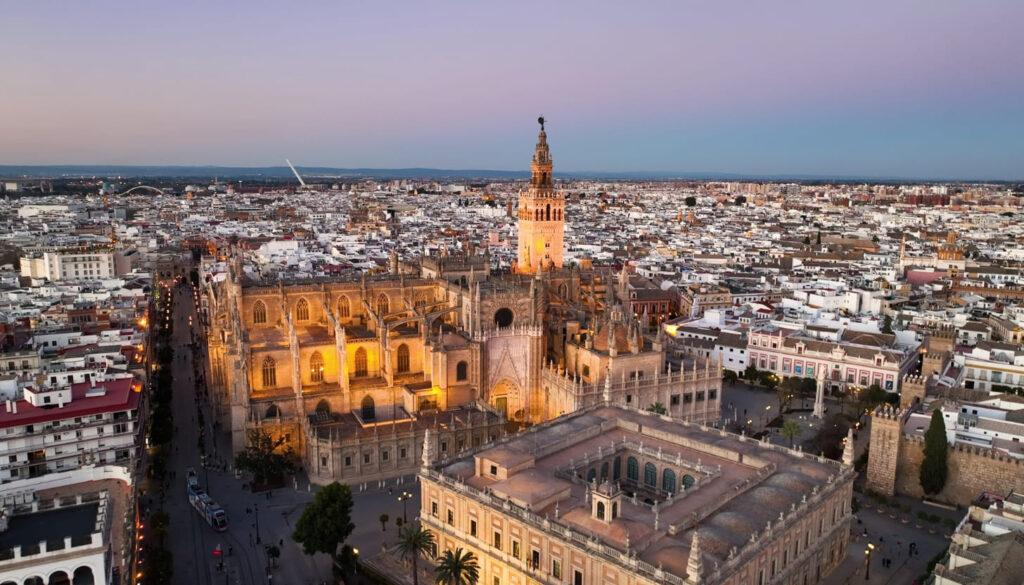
(972, 470)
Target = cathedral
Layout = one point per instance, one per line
(352, 372)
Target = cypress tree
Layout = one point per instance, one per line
(934, 466)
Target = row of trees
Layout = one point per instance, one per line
(158, 566)
(326, 523)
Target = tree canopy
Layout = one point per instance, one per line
(264, 458)
(413, 541)
(934, 467)
(326, 522)
(458, 568)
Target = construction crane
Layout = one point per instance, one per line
(301, 182)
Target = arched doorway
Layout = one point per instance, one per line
(83, 576)
(506, 399)
(59, 578)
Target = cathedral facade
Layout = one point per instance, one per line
(352, 372)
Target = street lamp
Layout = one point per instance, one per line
(405, 497)
(767, 409)
(867, 561)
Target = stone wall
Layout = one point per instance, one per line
(972, 470)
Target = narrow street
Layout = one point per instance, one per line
(251, 517)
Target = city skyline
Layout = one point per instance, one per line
(917, 90)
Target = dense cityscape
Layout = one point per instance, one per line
(530, 293)
(187, 365)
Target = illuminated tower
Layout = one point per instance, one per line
(541, 215)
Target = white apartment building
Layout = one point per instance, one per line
(991, 364)
(75, 265)
(60, 428)
(995, 423)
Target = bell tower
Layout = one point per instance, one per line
(541, 215)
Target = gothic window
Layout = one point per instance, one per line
(403, 358)
(668, 481)
(368, 411)
(269, 373)
(302, 310)
(461, 372)
(360, 369)
(586, 372)
(383, 305)
(259, 313)
(632, 469)
(272, 412)
(420, 300)
(323, 406)
(316, 367)
(563, 290)
(344, 309)
(651, 475)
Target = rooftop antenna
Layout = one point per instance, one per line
(301, 182)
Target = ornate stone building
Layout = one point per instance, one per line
(616, 495)
(352, 371)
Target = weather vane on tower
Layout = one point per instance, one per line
(541, 122)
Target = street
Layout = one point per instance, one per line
(254, 520)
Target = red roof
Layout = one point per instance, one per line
(119, 396)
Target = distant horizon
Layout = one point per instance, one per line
(282, 172)
(905, 89)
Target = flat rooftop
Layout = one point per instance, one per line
(50, 525)
(731, 486)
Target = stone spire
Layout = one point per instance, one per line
(848, 449)
(694, 565)
(428, 449)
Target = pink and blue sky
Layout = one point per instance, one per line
(906, 88)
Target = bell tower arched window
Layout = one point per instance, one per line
(259, 313)
(360, 369)
(548, 212)
(316, 367)
(403, 358)
(269, 372)
(302, 310)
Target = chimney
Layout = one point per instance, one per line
(14, 408)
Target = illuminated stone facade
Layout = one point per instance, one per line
(352, 370)
(617, 495)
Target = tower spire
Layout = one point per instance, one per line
(541, 214)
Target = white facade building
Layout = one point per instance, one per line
(65, 427)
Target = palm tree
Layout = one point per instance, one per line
(791, 429)
(458, 568)
(413, 541)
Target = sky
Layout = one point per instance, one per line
(896, 88)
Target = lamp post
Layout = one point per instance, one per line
(256, 508)
(405, 497)
(867, 561)
(767, 410)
